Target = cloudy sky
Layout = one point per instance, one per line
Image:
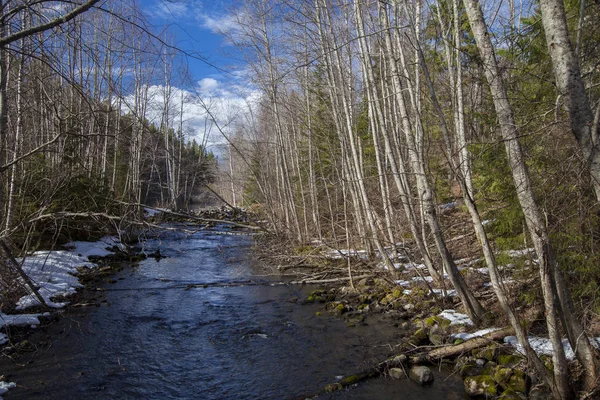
(199, 27)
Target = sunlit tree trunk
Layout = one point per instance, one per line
(535, 223)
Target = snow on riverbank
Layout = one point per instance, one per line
(4, 386)
(468, 336)
(543, 345)
(20, 319)
(456, 318)
(98, 249)
(54, 271)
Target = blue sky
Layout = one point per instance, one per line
(197, 27)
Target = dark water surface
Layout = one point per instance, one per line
(153, 339)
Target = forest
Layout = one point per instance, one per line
(92, 119)
(378, 116)
(381, 125)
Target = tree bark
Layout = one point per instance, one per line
(571, 87)
(535, 223)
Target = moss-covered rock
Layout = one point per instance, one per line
(481, 385)
(489, 368)
(488, 353)
(502, 375)
(436, 319)
(547, 360)
(350, 380)
(518, 381)
(387, 299)
(336, 307)
(365, 299)
(333, 387)
(510, 361)
(420, 337)
(354, 318)
(510, 394)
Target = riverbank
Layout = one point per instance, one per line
(487, 358)
(66, 278)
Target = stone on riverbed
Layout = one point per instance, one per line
(396, 373)
(421, 374)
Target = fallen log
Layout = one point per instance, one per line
(457, 349)
(196, 218)
(331, 280)
(209, 220)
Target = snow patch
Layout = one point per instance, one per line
(505, 281)
(456, 318)
(343, 253)
(466, 262)
(541, 346)
(428, 279)
(468, 336)
(403, 283)
(4, 386)
(520, 253)
(54, 273)
(449, 293)
(412, 266)
(20, 319)
(447, 206)
(151, 212)
(99, 248)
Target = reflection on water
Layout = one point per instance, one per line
(242, 342)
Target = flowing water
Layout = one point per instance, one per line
(152, 338)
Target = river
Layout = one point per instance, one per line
(150, 338)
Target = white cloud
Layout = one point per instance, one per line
(212, 105)
(208, 85)
(220, 24)
(168, 10)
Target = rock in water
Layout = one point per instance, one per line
(421, 374)
(396, 373)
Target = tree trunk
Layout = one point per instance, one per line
(570, 85)
(533, 217)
